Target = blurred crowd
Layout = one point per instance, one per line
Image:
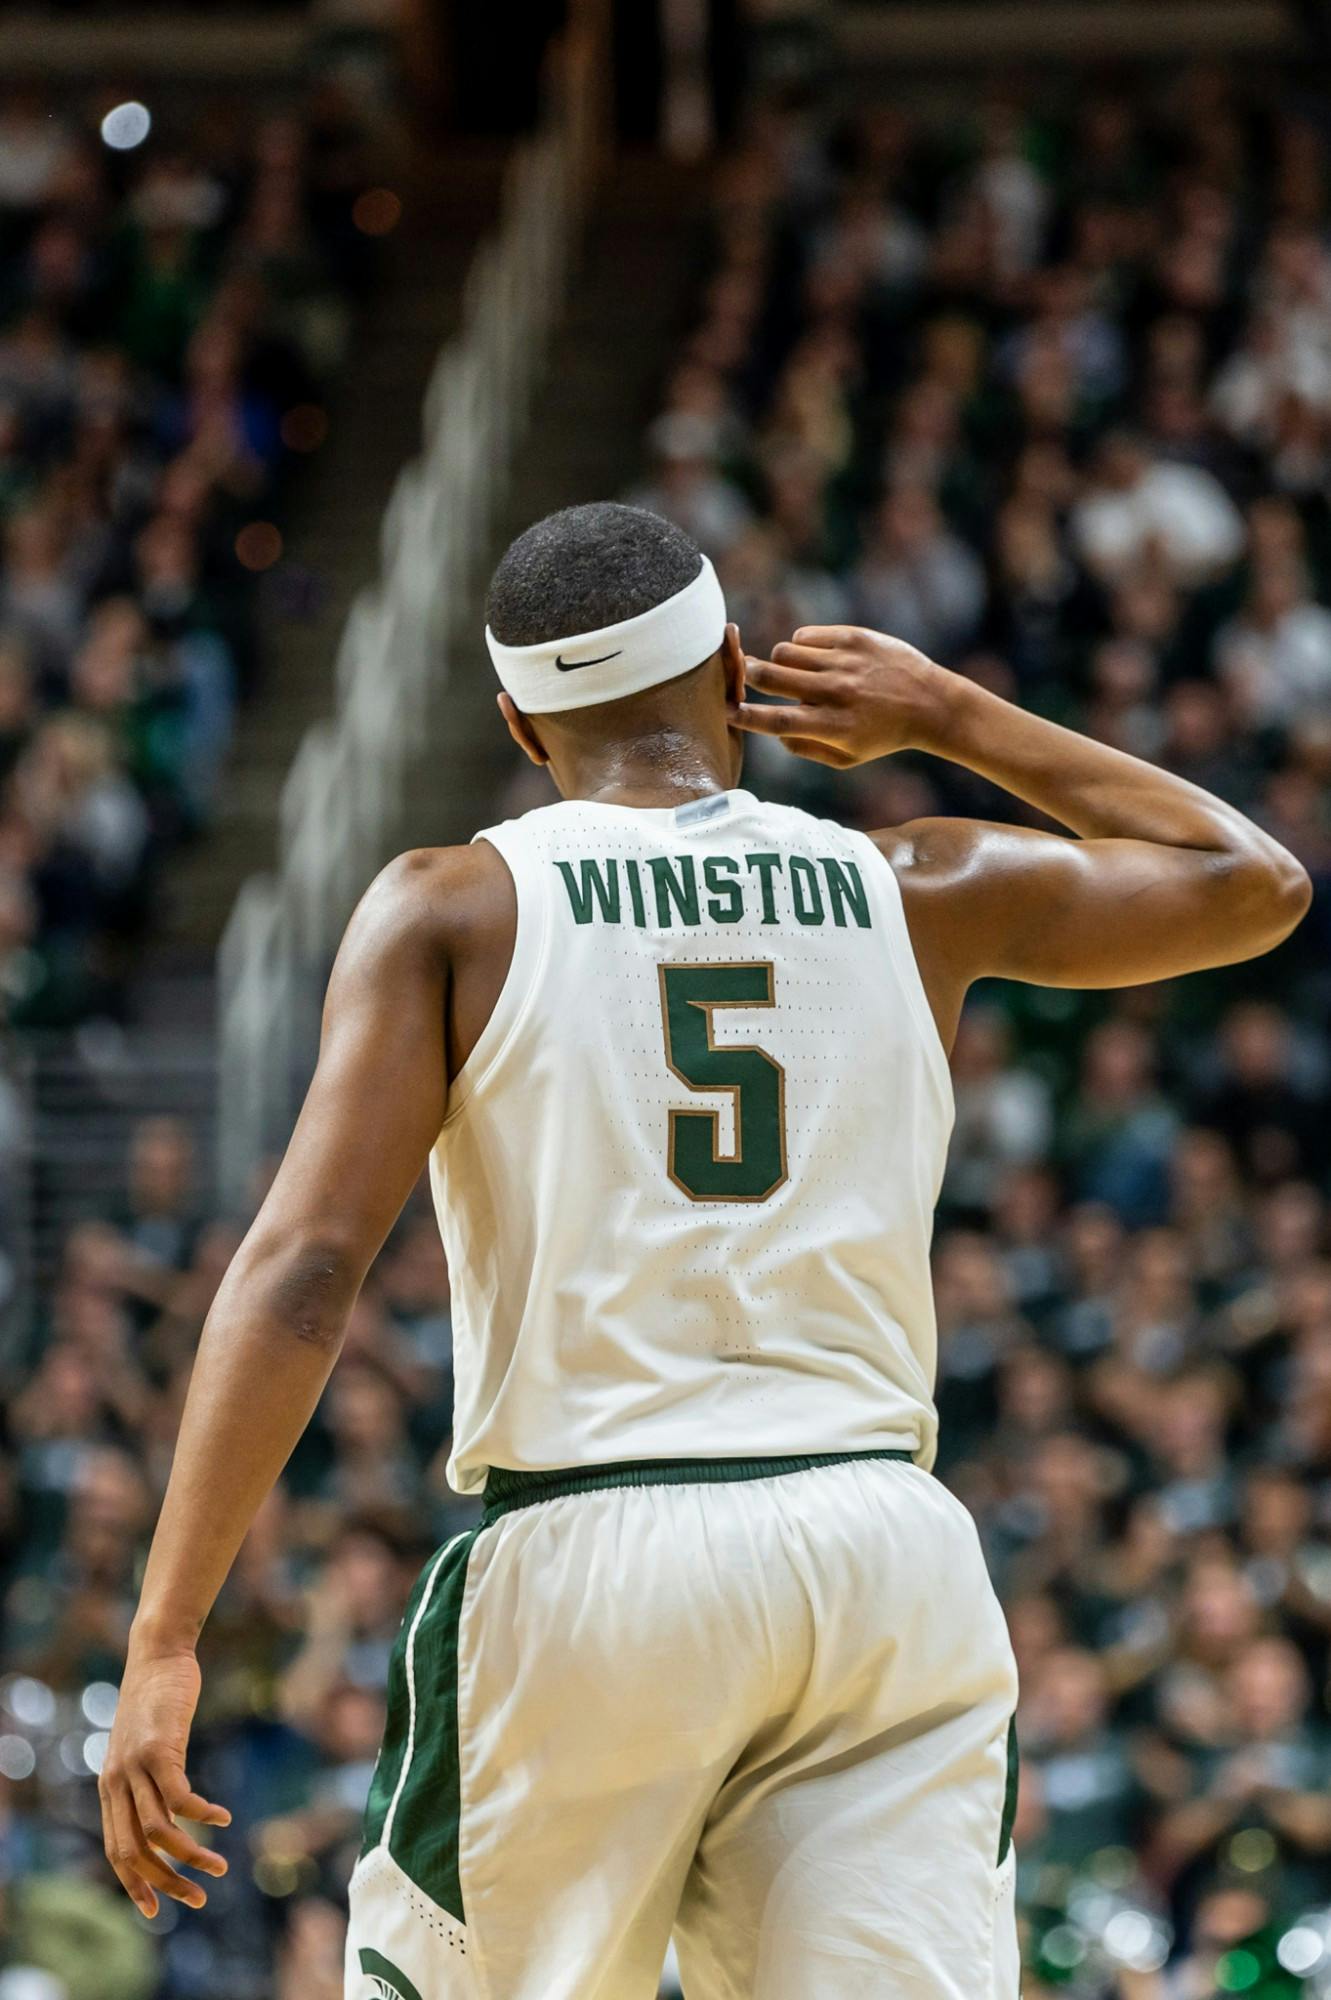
(1045, 389)
(296, 1654)
(170, 315)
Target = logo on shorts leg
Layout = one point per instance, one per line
(389, 1983)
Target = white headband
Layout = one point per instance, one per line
(670, 639)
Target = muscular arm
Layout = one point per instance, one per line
(372, 1113)
(1163, 878)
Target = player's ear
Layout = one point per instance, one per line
(732, 662)
(521, 730)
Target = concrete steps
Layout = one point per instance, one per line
(332, 549)
(630, 292)
(627, 307)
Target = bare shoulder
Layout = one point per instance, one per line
(433, 901)
(430, 881)
(961, 880)
(929, 856)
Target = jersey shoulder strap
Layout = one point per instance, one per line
(512, 841)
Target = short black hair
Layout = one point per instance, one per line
(586, 567)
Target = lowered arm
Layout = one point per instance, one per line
(373, 1111)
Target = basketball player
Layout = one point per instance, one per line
(721, 1656)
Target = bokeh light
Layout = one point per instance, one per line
(304, 427)
(18, 1759)
(99, 1703)
(1252, 1850)
(258, 545)
(1300, 1950)
(126, 126)
(1238, 1972)
(377, 212)
(30, 1702)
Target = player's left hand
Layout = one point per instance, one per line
(144, 1789)
(847, 695)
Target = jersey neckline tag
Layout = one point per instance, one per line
(714, 806)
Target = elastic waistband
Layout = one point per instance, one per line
(506, 1490)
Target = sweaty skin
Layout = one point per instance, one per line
(1162, 879)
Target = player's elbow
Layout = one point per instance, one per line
(306, 1284)
(1267, 893)
(1296, 891)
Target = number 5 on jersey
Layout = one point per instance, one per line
(690, 995)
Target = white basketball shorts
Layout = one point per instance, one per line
(762, 1704)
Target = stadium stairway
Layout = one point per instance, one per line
(629, 294)
(85, 1092)
(631, 285)
(332, 545)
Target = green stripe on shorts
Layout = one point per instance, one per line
(393, 1749)
(415, 1804)
(1010, 1794)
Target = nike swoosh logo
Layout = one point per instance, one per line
(571, 666)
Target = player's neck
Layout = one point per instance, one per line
(664, 773)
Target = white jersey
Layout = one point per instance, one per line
(687, 1178)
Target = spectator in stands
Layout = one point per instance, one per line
(687, 488)
(1090, 1794)
(158, 1222)
(916, 579)
(1120, 1131)
(1136, 507)
(1003, 1115)
(1276, 654)
(1270, 1101)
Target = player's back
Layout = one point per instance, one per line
(687, 1178)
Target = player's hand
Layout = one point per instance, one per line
(144, 1789)
(848, 695)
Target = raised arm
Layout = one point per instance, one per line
(1164, 878)
(372, 1113)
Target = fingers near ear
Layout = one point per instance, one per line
(770, 678)
(825, 636)
(813, 751)
(768, 718)
(812, 659)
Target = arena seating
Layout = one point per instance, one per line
(169, 323)
(1046, 388)
(1047, 391)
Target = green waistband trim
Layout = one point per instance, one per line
(506, 1490)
